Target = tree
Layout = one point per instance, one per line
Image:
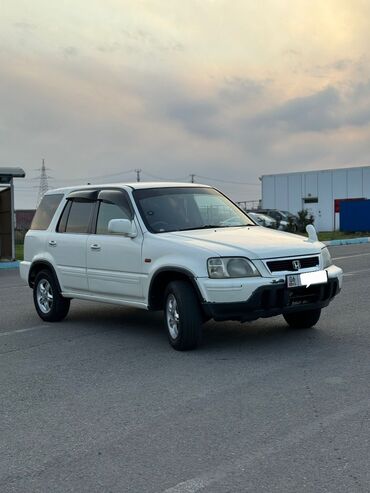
(304, 218)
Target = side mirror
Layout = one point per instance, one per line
(122, 227)
(311, 231)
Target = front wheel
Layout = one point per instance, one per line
(303, 320)
(182, 316)
(49, 303)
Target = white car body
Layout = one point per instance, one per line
(121, 269)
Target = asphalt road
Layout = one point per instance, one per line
(100, 403)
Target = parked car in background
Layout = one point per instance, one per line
(283, 218)
(263, 220)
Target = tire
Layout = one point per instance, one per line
(182, 316)
(303, 320)
(49, 303)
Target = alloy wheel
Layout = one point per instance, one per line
(44, 296)
(173, 317)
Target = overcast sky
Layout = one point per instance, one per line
(226, 89)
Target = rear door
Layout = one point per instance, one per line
(67, 245)
(114, 263)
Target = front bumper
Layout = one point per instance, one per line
(24, 269)
(250, 299)
(268, 301)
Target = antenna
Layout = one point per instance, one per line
(44, 185)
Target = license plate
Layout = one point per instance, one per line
(306, 279)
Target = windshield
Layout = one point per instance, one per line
(180, 209)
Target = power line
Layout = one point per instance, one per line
(156, 177)
(227, 181)
(91, 178)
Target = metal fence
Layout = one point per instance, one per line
(249, 204)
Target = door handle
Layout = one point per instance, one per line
(52, 243)
(95, 246)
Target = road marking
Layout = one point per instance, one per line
(356, 272)
(14, 286)
(295, 437)
(27, 329)
(350, 256)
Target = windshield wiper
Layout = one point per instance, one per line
(212, 226)
(206, 226)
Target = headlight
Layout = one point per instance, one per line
(224, 267)
(326, 258)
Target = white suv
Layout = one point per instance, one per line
(182, 248)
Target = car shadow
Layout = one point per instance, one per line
(230, 335)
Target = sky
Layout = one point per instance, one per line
(227, 90)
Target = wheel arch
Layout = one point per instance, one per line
(162, 278)
(37, 267)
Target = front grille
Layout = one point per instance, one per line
(282, 297)
(287, 264)
(312, 294)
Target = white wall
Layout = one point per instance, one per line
(366, 182)
(268, 191)
(295, 192)
(354, 183)
(310, 184)
(287, 191)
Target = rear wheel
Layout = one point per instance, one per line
(303, 320)
(49, 303)
(182, 316)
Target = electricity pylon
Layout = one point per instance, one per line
(44, 185)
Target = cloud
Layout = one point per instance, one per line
(196, 116)
(237, 89)
(25, 26)
(148, 42)
(308, 113)
(70, 51)
(324, 110)
(213, 114)
(109, 47)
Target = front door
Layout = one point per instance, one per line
(114, 265)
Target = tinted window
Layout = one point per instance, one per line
(275, 215)
(107, 212)
(79, 216)
(46, 211)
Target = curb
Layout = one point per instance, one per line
(349, 241)
(9, 265)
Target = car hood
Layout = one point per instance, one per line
(255, 242)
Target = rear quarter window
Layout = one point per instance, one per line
(45, 211)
